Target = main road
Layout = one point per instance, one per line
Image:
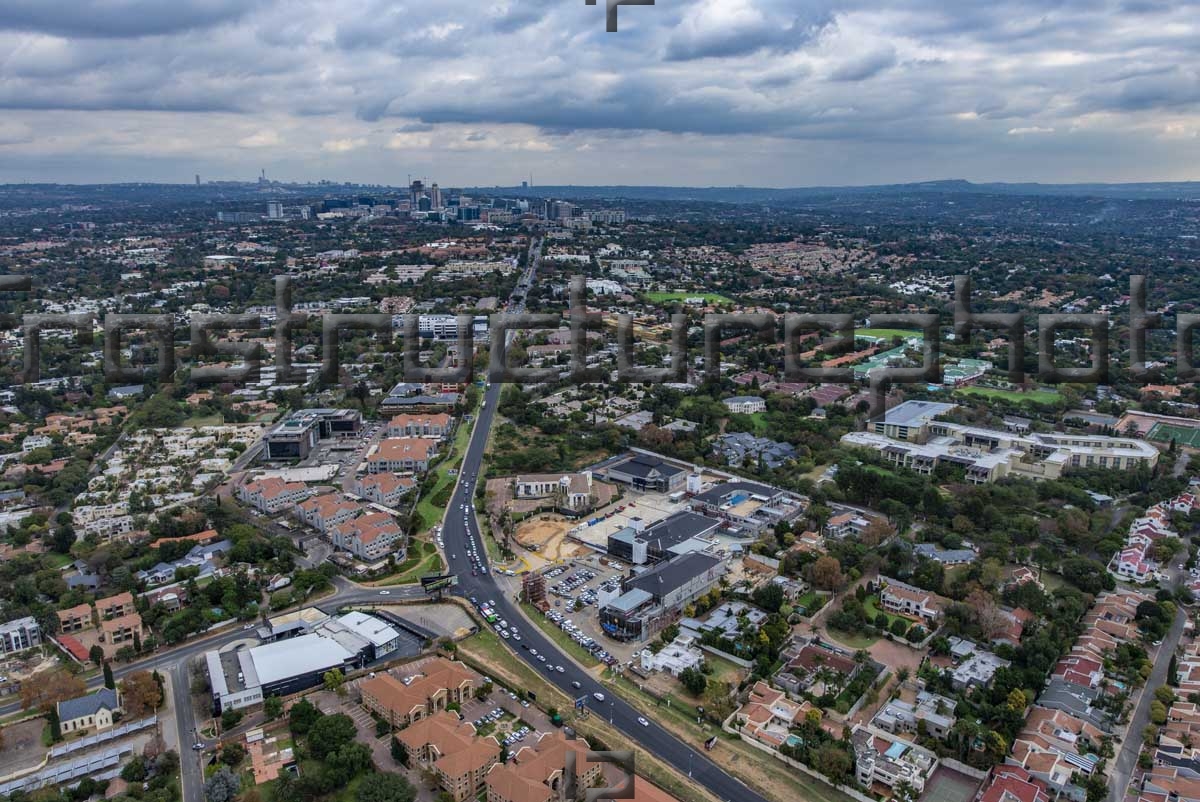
(458, 529)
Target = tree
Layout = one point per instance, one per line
(826, 573)
(399, 751)
(96, 653)
(693, 680)
(348, 761)
(988, 615)
(329, 733)
(109, 681)
(335, 681)
(769, 597)
(222, 786)
(380, 787)
(877, 532)
(272, 707)
(55, 725)
(232, 753)
(1016, 700)
(141, 694)
(834, 762)
(46, 689)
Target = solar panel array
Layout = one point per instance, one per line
(67, 772)
(119, 731)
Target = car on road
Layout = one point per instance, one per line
(197, 747)
(643, 722)
(385, 593)
(576, 684)
(248, 626)
(599, 697)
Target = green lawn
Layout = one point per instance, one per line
(812, 602)
(850, 639)
(422, 559)
(887, 334)
(56, 560)
(709, 297)
(209, 420)
(1031, 397)
(871, 605)
(560, 638)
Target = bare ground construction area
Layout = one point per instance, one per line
(546, 537)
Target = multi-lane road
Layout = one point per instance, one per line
(687, 758)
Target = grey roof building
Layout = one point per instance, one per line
(90, 705)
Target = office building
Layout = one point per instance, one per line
(655, 598)
(21, 634)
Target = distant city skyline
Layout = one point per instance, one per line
(754, 92)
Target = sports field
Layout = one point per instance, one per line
(1166, 432)
(1033, 396)
(709, 297)
(886, 334)
(949, 786)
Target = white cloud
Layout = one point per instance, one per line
(343, 145)
(261, 139)
(1029, 130)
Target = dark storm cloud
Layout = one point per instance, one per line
(349, 80)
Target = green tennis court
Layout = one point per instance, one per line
(949, 786)
(1166, 432)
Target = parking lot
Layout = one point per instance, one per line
(344, 453)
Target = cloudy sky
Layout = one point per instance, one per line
(756, 92)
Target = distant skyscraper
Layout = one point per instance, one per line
(197, 179)
(275, 210)
(435, 196)
(416, 191)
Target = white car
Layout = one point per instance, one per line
(599, 697)
(385, 593)
(643, 722)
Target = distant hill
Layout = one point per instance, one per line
(1177, 190)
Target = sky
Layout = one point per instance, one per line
(753, 92)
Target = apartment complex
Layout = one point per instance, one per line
(907, 436)
(19, 634)
(441, 683)
(408, 454)
(272, 494)
(433, 425)
(537, 773)
(451, 751)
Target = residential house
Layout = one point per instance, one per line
(745, 404)
(900, 598)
